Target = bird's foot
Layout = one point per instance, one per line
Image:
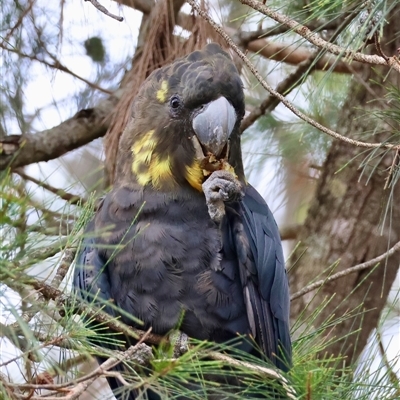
(179, 342)
(220, 187)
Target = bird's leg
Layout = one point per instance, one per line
(220, 187)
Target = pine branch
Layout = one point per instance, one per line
(71, 198)
(286, 102)
(348, 271)
(74, 388)
(284, 87)
(316, 40)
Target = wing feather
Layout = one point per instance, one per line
(264, 279)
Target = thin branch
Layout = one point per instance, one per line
(20, 343)
(316, 40)
(76, 387)
(65, 264)
(270, 50)
(263, 371)
(69, 301)
(279, 29)
(286, 102)
(392, 167)
(24, 13)
(379, 47)
(71, 198)
(315, 25)
(61, 342)
(60, 368)
(285, 86)
(9, 391)
(346, 272)
(41, 255)
(294, 55)
(105, 11)
(58, 66)
(294, 79)
(139, 352)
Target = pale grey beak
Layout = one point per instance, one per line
(214, 124)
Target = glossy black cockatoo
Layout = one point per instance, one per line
(182, 241)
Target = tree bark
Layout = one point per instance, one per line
(85, 126)
(353, 218)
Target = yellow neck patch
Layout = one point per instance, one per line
(149, 167)
(194, 175)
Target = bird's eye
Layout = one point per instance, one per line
(175, 102)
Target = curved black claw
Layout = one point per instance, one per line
(220, 187)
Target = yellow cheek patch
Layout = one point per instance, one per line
(143, 178)
(194, 175)
(145, 144)
(162, 92)
(149, 167)
(160, 172)
(142, 152)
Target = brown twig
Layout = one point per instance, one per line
(47, 377)
(76, 387)
(19, 21)
(71, 198)
(288, 84)
(69, 254)
(140, 352)
(44, 253)
(294, 79)
(270, 50)
(56, 65)
(61, 341)
(346, 272)
(315, 25)
(67, 260)
(286, 102)
(379, 47)
(248, 36)
(105, 11)
(391, 169)
(9, 391)
(316, 40)
(62, 300)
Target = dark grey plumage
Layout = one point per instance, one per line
(155, 252)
